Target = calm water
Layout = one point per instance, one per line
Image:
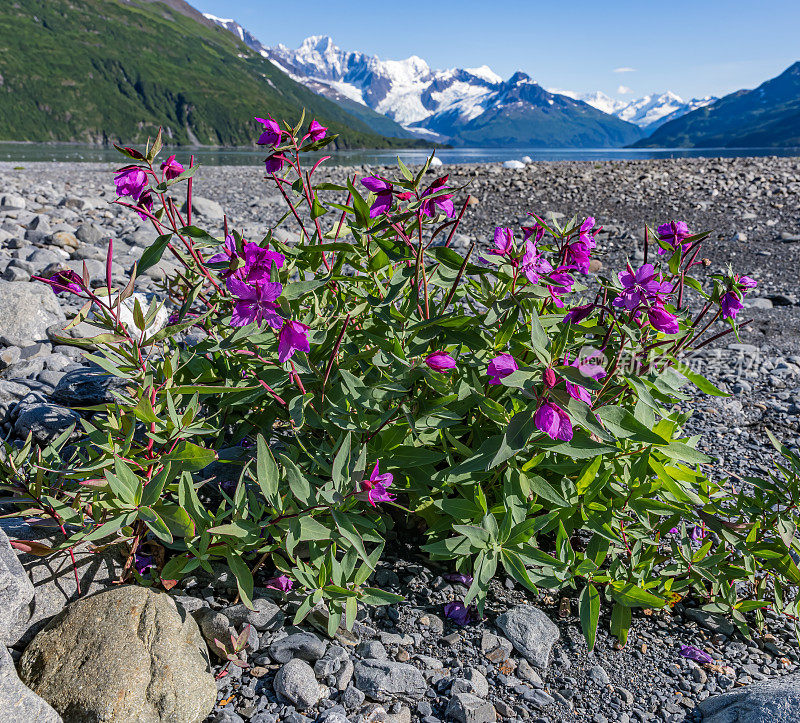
(24, 152)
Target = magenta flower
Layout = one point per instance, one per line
(459, 613)
(383, 195)
(255, 303)
(699, 656)
(643, 286)
(536, 230)
(375, 489)
(674, 233)
(441, 203)
(282, 583)
(579, 251)
(500, 367)
(503, 241)
(274, 163)
(62, 281)
(553, 421)
(578, 314)
(258, 262)
(564, 283)
(731, 304)
(745, 282)
(271, 136)
(533, 264)
(172, 169)
(440, 361)
(662, 320)
(458, 577)
(317, 131)
(293, 337)
(549, 378)
(145, 203)
(131, 181)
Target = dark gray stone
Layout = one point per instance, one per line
(468, 708)
(46, 421)
(266, 615)
(305, 646)
(87, 387)
(531, 633)
(16, 594)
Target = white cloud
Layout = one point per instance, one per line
(624, 90)
(625, 69)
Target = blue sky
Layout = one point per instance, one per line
(693, 48)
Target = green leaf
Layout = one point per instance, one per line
(589, 610)
(190, 456)
(152, 490)
(699, 381)
(341, 465)
(620, 622)
(244, 578)
(632, 596)
(154, 522)
(267, 475)
(153, 253)
(516, 437)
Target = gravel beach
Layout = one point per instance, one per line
(59, 215)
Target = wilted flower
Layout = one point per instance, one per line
(536, 230)
(674, 233)
(271, 136)
(293, 337)
(383, 195)
(274, 163)
(317, 131)
(143, 562)
(533, 264)
(459, 613)
(549, 378)
(376, 487)
(699, 656)
(458, 577)
(172, 169)
(131, 181)
(440, 361)
(499, 367)
(442, 202)
(503, 242)
(731, 301)
(553, 421)
(282, 583)
(145, 203)
(578, 314)
(66, 280)
(255, 303)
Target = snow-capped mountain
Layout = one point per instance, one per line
(648, 112)
(461, 105)
(230, 24)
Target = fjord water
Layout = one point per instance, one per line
(75, 153)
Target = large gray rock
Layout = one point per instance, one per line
(296, 683)
(16, 593)
(46, 421)
(126, 654)
(383, 680)
(206, 208)
(531, 633)
(774, 701)
(26, 310)
(266, 615)
(87, 387)
(468, 708)
(53, 577)
(305, 646)
(18, 703)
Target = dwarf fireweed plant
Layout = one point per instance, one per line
(368, 379)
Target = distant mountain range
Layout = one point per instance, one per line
(648, 112)
(101, 71)
(768, 116)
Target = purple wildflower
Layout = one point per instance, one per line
(66, 280)
(274, 163)
(383, 195)
(375, 489)
(282, 583)
(145, 203)
(578, 314)
(271, 136)
(499, 367)
(533, 264)
(553, 421)
(674, 233)
(293, 337)
(172, 169)
(641, 286)
(131, 181)
(699, 656)
(441, 203)
(143, 562)
(459, 613)
(662, 320)
(440, 361)
(563, 284)
(458, 577)
(503, 242)
(317, 131)
(255, 303)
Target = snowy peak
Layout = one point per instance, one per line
(232, 26)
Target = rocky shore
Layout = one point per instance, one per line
(526, 660)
